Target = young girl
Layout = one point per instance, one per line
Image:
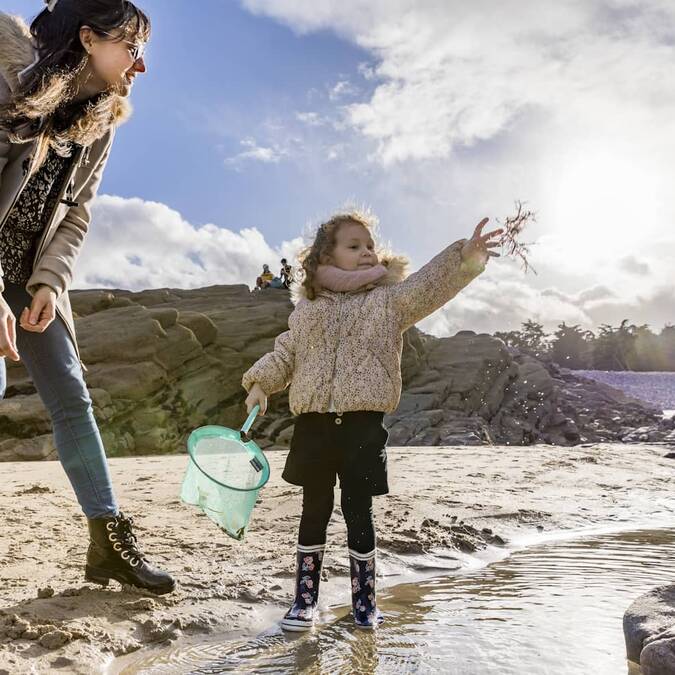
(342, 358)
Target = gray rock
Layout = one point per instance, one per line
(127, 334)
(166, 316)
(646, 620)
(164, 361)
(24, 416)
(203, 328)
(55, 639)
(90, 302)
(27, 449)
(284, 437)
(658, 657)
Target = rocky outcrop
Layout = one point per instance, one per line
(162, 362)
(159, 363)
(471, 389)
(649, 630)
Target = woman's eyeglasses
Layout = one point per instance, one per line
(136, 49)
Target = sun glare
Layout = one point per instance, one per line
(607, 200)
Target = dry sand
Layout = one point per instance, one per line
(444, 500)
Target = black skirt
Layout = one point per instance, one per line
(350, 445)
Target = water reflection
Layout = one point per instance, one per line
(551, 610)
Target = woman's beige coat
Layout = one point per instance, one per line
(345, 349)
(62, 239)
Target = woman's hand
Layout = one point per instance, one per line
(476, 252)
(42, 311)
(7, 332)
(256, 397)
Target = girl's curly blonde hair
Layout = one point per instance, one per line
(324, 242)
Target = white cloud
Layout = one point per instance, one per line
(593, 294)
(257, 153)
(655, 308)
(572, 100)
(310, 118)
(634, 266)
(136, 244)
(342, 89)
(465, 106)
(454, 73)
(335, 152)
(503, 301)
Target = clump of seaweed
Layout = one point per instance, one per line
(514, 226)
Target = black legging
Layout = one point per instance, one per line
(317, 507)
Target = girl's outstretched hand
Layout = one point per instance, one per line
(256, 397)
(476, 251)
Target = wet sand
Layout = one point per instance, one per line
(457, 500)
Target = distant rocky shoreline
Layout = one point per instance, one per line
(163, 362)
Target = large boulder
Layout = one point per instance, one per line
(159, 364)
(649, 631)
(658, 657)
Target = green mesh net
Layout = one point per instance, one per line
(225, 473)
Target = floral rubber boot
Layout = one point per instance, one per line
(364, 604)
(300, 617)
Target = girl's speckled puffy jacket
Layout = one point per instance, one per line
(342, 351)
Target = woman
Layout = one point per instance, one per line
(63, 90)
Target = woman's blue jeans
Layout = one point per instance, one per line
(52, 363)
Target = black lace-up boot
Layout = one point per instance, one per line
(114, 554)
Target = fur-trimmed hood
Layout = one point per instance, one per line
(397, 271)
(16, 48)
(17, 53)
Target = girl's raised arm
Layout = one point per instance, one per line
(428, 289)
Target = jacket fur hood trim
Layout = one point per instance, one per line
(16, 48)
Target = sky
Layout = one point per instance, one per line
(259, 118)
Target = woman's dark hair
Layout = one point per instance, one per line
(42, 105)
(57, 33)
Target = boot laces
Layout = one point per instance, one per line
(124, 540)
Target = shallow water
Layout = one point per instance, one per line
(553, 609)
(656, 387)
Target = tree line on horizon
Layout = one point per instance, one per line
(623, 347)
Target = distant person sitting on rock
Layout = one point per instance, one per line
(265, 279)
(286, 274)
(342, 359)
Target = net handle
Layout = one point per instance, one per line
(250, 419)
